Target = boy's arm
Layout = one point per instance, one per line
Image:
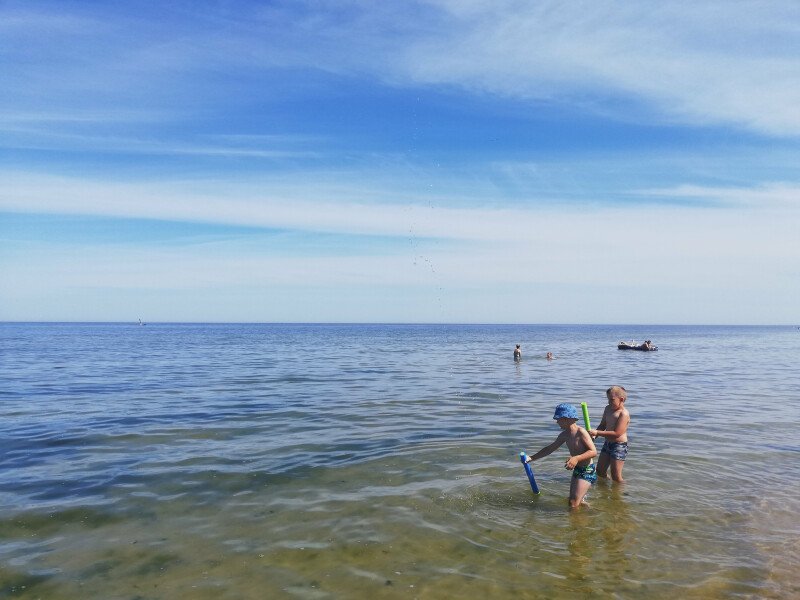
(593, 432)
(590, 452)
(548, 449)
(618, 431)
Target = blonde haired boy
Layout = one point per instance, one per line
(614, 428)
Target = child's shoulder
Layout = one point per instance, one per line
(564, 434)
(579, 431)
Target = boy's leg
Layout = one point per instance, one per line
(577, 491)
(602, 464)
(616, 470)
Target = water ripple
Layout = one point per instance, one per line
(339, 458)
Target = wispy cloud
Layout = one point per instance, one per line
(770, 195)
(706, 63)
(264, 147)
(590, 262)
(710, 63)
(598, 265)
(354, 210)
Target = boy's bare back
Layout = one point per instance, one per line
(577, 442)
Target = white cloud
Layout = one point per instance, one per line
(729, 262)
(355, 208)
(36, 137)
(708, 63)
(712, 63)
(587, 242)
(771, 195)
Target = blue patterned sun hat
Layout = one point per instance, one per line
(567, 411)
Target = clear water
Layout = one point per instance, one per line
(381, 461)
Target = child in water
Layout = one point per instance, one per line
(517, 353)
(614, 428)
(581, 449)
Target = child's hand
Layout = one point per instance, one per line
(593, 433)
(571, 462)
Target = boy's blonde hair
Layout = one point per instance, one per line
(617, 391)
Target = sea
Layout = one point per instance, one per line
(238, 461)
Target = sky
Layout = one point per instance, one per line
(442, 161)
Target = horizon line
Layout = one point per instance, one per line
(415, 323)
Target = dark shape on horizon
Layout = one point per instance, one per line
(644, 347)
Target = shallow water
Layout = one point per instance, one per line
(379, 461)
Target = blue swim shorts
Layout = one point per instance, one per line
(616, 450)
(587, 473)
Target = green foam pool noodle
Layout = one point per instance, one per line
(585, 410)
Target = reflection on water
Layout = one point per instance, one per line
(205, 461)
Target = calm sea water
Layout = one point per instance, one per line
(381, 461)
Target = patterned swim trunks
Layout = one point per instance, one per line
(616, 450)
(587, 473)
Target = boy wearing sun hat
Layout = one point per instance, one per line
(581, 450)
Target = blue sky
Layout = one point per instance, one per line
(444, 161)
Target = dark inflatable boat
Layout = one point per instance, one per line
(645, 347)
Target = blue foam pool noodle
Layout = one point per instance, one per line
(529, 472)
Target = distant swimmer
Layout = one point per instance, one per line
(517, 353)
(549, 356)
